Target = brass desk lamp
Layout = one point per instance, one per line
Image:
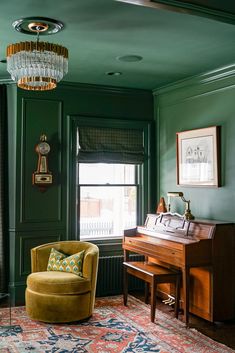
(187, 213)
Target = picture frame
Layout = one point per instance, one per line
(198, 157)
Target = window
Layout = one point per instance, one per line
(106, 199)
(109, 188)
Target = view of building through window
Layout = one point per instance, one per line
(108, 199)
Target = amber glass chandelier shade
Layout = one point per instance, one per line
(37, 66)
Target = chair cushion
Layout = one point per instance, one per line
(62, 262)
(56, 282)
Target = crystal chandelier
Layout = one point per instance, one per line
(37, 66)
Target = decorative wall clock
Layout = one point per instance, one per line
(42, 177)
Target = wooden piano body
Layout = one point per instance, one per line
(204, 250)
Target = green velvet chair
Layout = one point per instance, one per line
(54, 296)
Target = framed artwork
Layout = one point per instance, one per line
(198, 157)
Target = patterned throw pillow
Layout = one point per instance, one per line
(61, 262)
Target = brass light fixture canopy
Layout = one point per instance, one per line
(38, 27)
(37, 66)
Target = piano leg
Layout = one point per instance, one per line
(126, 255)
(146, 293)
(125, 286)
(177, 296)
(153, 298)
(186, 285)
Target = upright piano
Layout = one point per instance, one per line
(204, 250)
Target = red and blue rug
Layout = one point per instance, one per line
(113, 328)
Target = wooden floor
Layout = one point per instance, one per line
(223, 332)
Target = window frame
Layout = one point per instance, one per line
(137, 184)
(145, 194)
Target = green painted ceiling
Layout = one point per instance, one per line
(174, 46)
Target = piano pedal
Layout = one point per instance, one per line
(166, 301)
(170, 300)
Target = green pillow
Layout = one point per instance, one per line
(61, 262)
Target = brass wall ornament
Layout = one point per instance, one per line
(42, 177)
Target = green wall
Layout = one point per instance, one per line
(192, 104)
(35, 217)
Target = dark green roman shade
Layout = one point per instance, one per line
(110, 145)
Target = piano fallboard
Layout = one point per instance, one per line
(176, 253)
(168, 235)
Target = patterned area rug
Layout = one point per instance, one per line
(113, 328)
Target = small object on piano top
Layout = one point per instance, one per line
(161, 208)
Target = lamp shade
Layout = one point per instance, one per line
(37, 66)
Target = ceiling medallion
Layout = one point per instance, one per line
(37, 66)
(24, 25)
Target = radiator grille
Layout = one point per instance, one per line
(110, 276)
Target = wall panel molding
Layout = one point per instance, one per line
(46, 116)
(27, 242)
(206, 83)
(187, 8)
(102, 89)
(195, 106)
